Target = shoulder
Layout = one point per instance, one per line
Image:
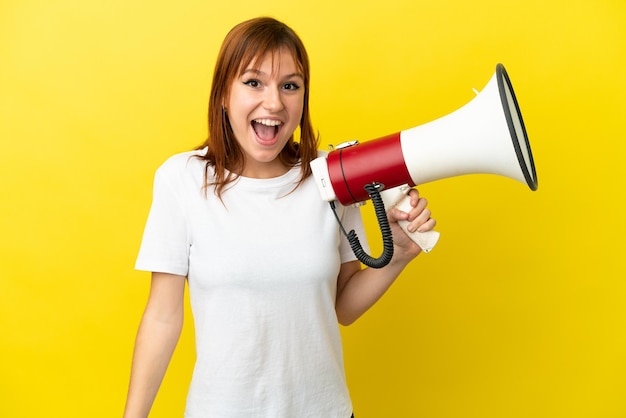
(182, 171)
(181, 163)
(182, 160)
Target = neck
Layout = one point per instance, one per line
(264, 170)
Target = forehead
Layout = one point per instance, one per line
(273, 61)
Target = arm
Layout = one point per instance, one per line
(158, 334)
(358, 290)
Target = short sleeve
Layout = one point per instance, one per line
(352, 220)
(165, 244)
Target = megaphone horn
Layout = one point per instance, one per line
(486, 136)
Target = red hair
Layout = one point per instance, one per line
(244, 45)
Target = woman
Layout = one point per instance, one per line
(269, 273)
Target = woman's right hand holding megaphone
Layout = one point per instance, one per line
(411, 225)
(409, 212)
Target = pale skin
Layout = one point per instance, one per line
(269, 93)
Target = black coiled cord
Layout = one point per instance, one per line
(373, 190)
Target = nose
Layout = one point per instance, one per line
(272, 100)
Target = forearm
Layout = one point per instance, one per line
(154, 346)
(358, 290)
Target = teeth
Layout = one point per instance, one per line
(268, 122)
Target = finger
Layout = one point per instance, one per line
(423, 222)
(418, 208)
(422, 218)
(395, 214)
(429, 225)
(414, 194)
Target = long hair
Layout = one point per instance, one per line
(246, 43)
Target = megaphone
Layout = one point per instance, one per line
(485, 136)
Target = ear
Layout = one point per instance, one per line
(224, 103)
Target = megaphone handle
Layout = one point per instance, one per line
(426, 240)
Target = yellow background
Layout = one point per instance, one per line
(518, 312)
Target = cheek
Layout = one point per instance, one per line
(239, 110)
(239, 102)
(297, 107)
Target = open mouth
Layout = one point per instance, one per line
(266, 129)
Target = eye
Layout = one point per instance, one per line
(252, 83)
(291, 86)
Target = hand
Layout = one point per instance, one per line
(419, 220)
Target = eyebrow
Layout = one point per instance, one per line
(259, 72)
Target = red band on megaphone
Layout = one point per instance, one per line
(380, 160)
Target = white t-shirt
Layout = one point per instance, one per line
(262, 268)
